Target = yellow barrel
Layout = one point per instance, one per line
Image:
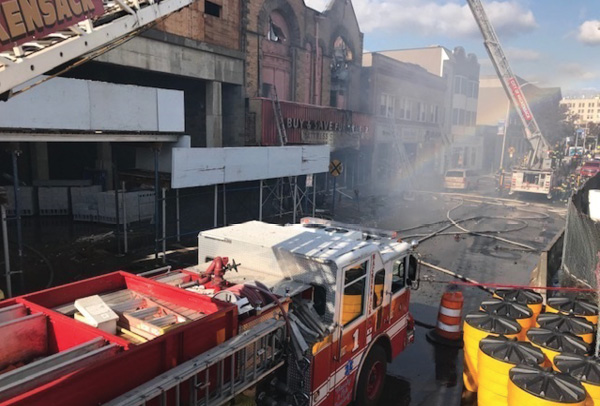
(565, 323)
(553, 343)
(511, 310)
(476, 327)
(497, 355)
(526, 297)
(584, 369)
(535, 386)
(575, 307)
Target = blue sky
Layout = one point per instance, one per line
(549, 42)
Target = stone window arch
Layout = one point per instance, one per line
(341, 58)
(276, 61)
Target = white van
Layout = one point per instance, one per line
(460, 179)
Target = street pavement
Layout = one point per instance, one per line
(427, 374)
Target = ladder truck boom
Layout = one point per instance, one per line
(511, 85)
(105, 25)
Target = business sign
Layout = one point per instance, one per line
(335, 140)
(323, 125)
(520, 99)
(26, 20)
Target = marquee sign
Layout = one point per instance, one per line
(26, 20)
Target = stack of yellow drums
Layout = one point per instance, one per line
(511, 310)
(573, 307)
(567, 324)
(497, 355)
(535, 386)
(554, 342)
(584, 369)
(476, 327)
(515, 355)
(526, 297)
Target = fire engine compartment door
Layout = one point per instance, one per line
(356, 307)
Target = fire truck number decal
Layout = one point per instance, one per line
(355, 335)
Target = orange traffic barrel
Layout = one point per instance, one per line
(535, 386)
(584, 369)
(512, 310)
(526, 297)
(496, 357)
(476, 327)
(553, 342)
(565, 323)
(449, 315)
(575, 307)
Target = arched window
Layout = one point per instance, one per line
(278, 29)
(276, 63)
(340, 73)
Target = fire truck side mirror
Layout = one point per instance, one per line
(412, 276)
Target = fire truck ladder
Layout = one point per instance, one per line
(246, 359)
(511, 85)
(279, 117)
(121, 20)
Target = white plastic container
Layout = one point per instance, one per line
(97, 313)
(594, 202)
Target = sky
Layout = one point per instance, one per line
(547, 42)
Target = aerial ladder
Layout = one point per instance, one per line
(93, 27)
(536, 175)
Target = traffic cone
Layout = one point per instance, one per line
(448, 328)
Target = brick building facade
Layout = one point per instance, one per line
(311, 57)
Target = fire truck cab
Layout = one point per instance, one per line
(358, 283)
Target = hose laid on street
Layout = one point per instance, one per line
(504, 240)
(453, 274)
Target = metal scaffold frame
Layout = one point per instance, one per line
(284, 189)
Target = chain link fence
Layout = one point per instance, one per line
(582, 239)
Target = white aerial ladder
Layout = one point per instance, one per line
(66, 48)
(536, 175)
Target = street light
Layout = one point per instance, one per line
(506, 122)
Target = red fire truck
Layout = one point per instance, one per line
(306, 314)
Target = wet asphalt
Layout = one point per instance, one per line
(429, 374)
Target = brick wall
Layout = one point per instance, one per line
(338, 20)
(193, 23)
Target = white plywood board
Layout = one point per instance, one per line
(285, 161)
(84, 105)
(193, 167)
(314, 159)
(197, 167)
(55, 104)
(171, 116)
(249, 164)
(112, 106)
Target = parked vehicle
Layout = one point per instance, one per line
(590, 168)
(460, 179)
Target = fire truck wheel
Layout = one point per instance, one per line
(372, 377)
